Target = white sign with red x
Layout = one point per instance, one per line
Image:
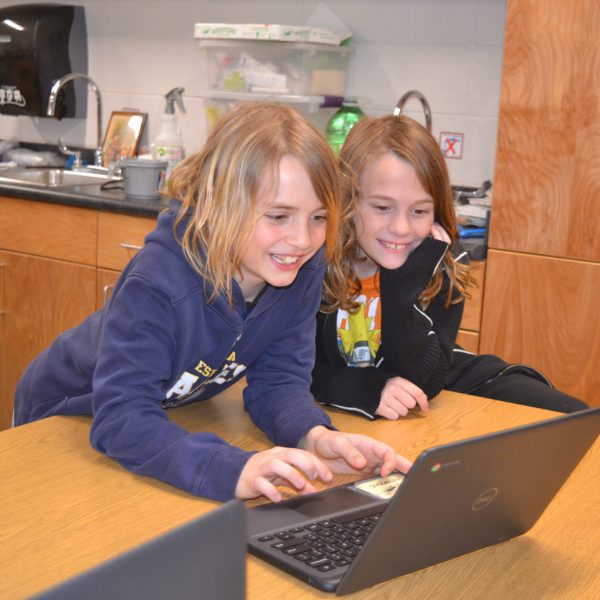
(451, 144)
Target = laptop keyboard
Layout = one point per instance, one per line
(325, 545)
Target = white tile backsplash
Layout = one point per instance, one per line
(384, 72)
(479, 147)
(490, 22)
(444, 22)
(484, 82)
(375, 21)
(142, 66)
(154, 19)
(449, 50)
(287, 12)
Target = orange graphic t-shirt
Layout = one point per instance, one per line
(359, 333)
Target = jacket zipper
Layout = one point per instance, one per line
(195, 393)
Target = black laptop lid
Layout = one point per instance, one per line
(457, 498)
(205, 558)
(463, 496)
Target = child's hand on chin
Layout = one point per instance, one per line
(439, 233)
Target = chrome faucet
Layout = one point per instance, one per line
(56, 87)
(424, 103)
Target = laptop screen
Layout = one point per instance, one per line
(205, 558)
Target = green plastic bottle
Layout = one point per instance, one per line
(341, 123)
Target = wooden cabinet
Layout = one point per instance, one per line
(119, 238)
(543, 268)
(51, 230)
(468, 335)
(531, 323)
(105, 283)
(41, 298)
(547, 176)
(49, 280)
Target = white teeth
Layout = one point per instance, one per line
(285, 260)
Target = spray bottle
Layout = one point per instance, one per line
(168, 145)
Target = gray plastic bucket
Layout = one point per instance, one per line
(142, 178)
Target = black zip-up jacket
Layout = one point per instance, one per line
(416, 344)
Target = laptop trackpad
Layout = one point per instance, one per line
(302, 508)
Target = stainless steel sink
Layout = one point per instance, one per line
(51, 178)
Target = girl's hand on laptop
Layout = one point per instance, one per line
(290, 467)
(398, 397)
(352, 452)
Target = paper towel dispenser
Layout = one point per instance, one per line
(39, 43)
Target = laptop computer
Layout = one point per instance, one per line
(456, 498)
(205, 558)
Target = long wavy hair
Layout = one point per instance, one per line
(219, 188)
(368, 140)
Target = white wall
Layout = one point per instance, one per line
(451, 50)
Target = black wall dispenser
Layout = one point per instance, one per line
(39, 43)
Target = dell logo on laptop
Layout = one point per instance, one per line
(484, 499)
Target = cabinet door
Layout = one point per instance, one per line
(5, 404)
(106, 283)
(547, 173)
(543, 312)
(40, 298)
(468, 334)
(471, 319)
(120, 237)
(47, 229)
(469, 340)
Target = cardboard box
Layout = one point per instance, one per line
(266, 31)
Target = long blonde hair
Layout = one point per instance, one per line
(219, 185)
(371, 138)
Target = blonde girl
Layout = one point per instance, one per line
(225, 287)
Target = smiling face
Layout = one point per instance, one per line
(395, 214)
(291, 227)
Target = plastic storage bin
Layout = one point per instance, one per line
(276, 68)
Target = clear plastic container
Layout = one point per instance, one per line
(277, 68)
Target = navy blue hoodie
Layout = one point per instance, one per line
(159, 343)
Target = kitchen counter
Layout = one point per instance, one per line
(87, 196)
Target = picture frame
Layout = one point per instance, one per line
(123, 135)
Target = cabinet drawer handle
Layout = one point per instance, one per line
(130, 246)
(105, 291)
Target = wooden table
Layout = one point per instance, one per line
(65, 508)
